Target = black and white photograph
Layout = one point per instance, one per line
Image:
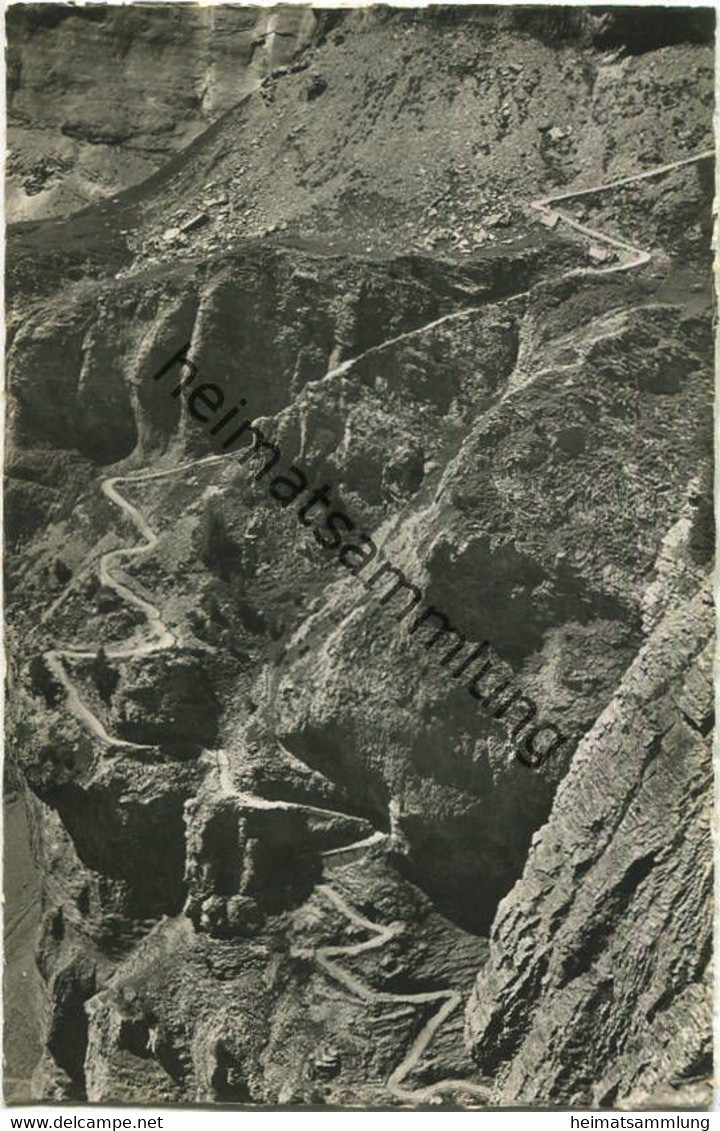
(359, 561)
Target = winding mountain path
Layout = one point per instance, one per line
(325, 956)
(160, 637)
(447, 1000)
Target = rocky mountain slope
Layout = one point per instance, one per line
(286, 855)
(99, 96)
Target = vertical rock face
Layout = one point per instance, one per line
(290, 851)
(598, 986)
(158, 75)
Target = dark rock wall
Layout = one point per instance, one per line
(158, 76)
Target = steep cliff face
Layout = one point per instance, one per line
(100, 97)
(612, 914)
(274, 824)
